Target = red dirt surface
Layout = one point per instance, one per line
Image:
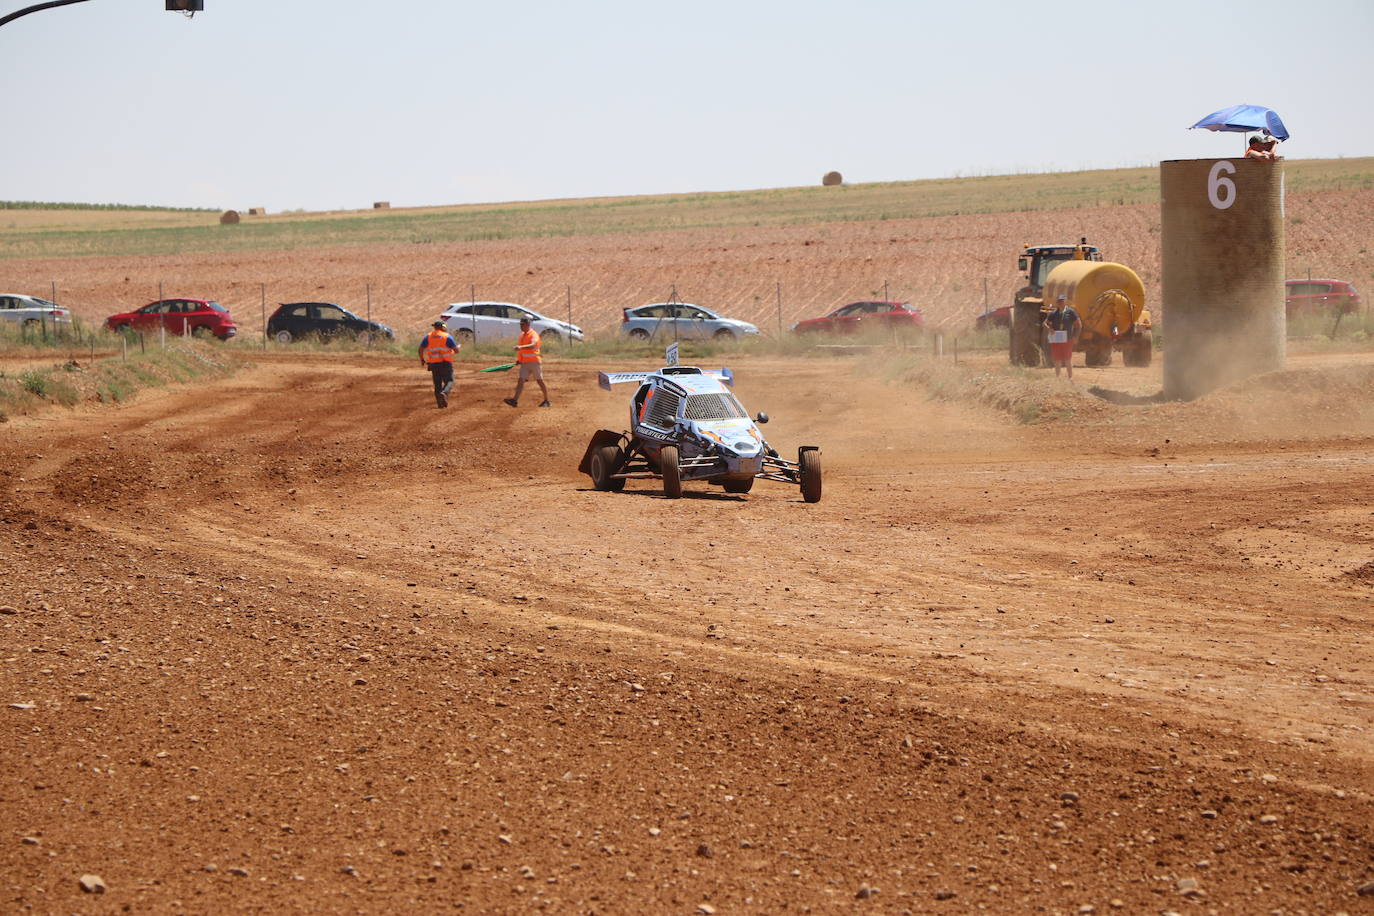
(312, 645)
(943, 264)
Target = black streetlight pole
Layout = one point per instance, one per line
(189, 7)
(36, 7)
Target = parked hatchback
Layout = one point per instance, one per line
(32, 312)
(294, 320)
(681, 321)
(1320, 297)
(501, 321)
(857, 317)
(200, 317)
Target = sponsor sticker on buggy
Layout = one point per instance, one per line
(607, 379)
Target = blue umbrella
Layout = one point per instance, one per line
(1240, 118)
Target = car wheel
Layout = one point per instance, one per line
(672, 474)
(283, 337)
(606, 461)
(725, 335)
(31, 323)
(809, 463)
(465, 335)
(201, 332)
(638, 334)
(553, 337)
(364, 338)
(738, 486)
(122, 329)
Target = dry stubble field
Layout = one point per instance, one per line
(299, 642)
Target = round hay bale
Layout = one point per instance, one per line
(229, 217)
(831, 179)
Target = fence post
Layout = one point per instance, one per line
(779, 291)
(570, 338)
(369, 316)
(262, 291)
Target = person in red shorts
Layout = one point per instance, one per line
(1062, 327)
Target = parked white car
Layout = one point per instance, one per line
(481, 321)
(32, 312)
(682, 321)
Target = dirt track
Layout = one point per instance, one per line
(301, 642)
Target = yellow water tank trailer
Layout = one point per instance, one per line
(1110, 300)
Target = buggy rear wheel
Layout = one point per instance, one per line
(672, 475)
(809, 463)
(605, 462)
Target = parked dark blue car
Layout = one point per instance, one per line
(295, 320)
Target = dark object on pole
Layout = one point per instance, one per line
(185, 6)
(831, 179)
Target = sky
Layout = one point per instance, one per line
(334, 104)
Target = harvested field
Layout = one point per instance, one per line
(817, 259)
(310, 645)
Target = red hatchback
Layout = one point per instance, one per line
(863, 316)
(1321, 297)
(200, 317)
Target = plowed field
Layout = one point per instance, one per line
(300, 642)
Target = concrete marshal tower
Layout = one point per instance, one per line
(1223, 260)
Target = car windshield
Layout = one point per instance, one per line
(721, 406)
(217, 307)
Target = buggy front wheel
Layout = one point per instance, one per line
(672, 474)
(809, 464)
(605, 462)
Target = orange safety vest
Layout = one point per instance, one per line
(437, 349)
(524, 353)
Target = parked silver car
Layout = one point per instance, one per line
(681, 321)
(33, 312)
(501, 320)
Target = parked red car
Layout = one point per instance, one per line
(1321, 297)
(861, 316)
(999, 317)
(200, 317)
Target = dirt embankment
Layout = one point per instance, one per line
(302, 642)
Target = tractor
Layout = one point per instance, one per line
(1109, 299)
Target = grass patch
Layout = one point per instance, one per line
(106, 381)
(45, 336)
(1320, 333)
(1028, 396)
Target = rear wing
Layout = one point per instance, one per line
(608, 379)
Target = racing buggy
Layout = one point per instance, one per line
(685, 424)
